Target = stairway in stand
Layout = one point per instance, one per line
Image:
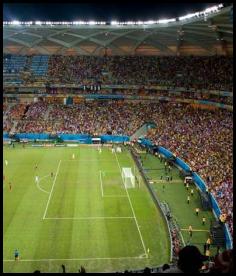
(142, 131)
(217, 233)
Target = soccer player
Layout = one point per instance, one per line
(100, 150)
(197, 211)
(191, 192)
(10, 186)
(16, 254)
(188, 199)
(51, 174)
(190, 230)
(6, 162)
(203, 221)
(163, 187)
(36, 166)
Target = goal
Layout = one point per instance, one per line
(128, 178)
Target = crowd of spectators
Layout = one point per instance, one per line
(175, 242)
(36, 110)
(215, 72)
(202, 138)
(197, 72)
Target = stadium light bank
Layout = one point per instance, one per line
(204, 13)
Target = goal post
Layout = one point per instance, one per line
(128, 178)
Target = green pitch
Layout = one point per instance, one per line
(175, 194)
(81, 215)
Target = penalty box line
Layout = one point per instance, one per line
(89, 218)
(79, 259)
(54, 181)
(140, 234)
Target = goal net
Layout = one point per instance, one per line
(128, 178)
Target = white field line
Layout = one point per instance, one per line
(100, 173)
(39, 186)
(90, 218)
(144, 247)
(79, 259)
(54, 181)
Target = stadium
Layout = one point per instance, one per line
(118, 144)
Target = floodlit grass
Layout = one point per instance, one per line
(82, 215)
(175, 194)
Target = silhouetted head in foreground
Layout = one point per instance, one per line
(190, 259)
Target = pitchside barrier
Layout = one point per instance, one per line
(198, 182)
(79, 138)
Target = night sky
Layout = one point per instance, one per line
(98, 12)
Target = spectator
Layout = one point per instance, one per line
(190, 261)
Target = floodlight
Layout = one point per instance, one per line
(166, 20)
(16, 22)
(149, 22)
(114, 23)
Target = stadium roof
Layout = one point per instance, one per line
(204, 33)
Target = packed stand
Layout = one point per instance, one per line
(214, 72)
(196, 72)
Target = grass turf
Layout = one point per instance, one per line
(82, 215)
(175, 194)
